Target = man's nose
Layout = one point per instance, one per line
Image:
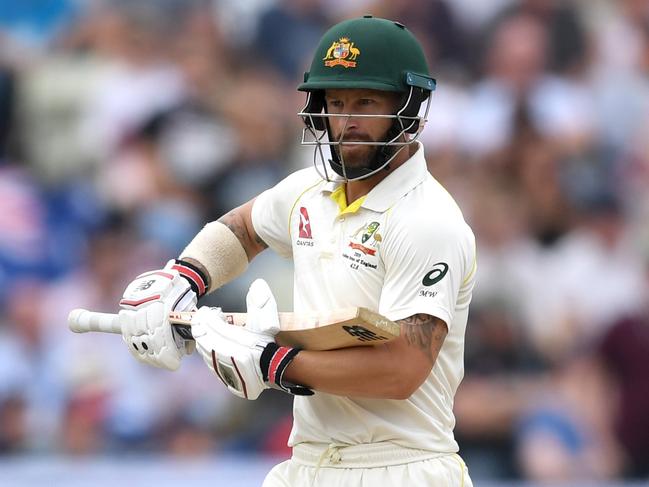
(352, 123)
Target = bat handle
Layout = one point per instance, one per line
(82, 321)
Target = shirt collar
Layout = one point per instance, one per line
(392, 188)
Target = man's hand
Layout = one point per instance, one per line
(146, 304)
(246, 359)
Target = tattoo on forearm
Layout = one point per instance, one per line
(424, 332)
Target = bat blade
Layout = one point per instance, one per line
(344, 328)
(341, 329)
(349, 327)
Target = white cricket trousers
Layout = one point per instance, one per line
(372, 465)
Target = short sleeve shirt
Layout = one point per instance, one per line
(401, 250)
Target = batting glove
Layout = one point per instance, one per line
(146, 304)
(246, 359)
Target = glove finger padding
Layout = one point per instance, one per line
(154, 345)
(231, 352)
(262, 315)
(144, 317)
(246, 359)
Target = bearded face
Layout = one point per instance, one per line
(351, 129)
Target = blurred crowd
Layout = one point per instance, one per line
(125, 125)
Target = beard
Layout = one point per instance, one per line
(364, 156)
(360, 156)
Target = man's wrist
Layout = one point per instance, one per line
(194, 273)
(274, 361)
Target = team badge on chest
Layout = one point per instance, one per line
(369, 239)
(363, 246)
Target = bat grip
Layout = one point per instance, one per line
(82, 321)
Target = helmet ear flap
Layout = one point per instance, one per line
(315, 103)
(413, 103)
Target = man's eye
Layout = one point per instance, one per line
(366, 101)
(335, 103)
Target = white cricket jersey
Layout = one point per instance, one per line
(402, 249)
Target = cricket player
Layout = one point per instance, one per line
(366, 226)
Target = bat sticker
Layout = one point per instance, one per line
(363, 334)
(184, 331)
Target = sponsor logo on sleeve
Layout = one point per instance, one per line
(436, 274)
(431, 278)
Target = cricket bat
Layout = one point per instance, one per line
(349, 327)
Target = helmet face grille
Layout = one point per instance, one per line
(406, 128)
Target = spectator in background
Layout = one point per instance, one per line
(40, 233)
(564, 432)
(142, 181)
(621, 94)
(434, 22)
(51, 103)
(624, 351)
(250, 106)
(594, 276)
(7, 100)
(474, 15)
(34, 24)
(13, 431)
(285, 32)
(516, 81)
(196, 140)
(105, 78)
(33, 387)
(566, 50)
(619, 73)
(139, 79)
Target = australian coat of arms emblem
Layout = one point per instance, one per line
(341, 53)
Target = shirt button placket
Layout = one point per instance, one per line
(329, 249)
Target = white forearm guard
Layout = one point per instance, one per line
(218, 250)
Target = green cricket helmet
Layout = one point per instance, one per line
(368, 53)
